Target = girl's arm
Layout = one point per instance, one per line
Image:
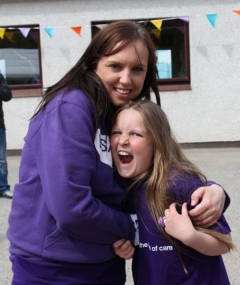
(180, 227)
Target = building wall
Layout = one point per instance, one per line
(209, 112)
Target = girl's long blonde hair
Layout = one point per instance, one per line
(169, 163)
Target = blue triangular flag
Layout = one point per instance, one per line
(212, 18)
(49, 31)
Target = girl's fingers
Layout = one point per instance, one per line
(130, 254)
(184, 209)
(119, 243)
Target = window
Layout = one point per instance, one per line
(172, 50)
(20, 57)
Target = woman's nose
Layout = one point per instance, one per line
(125, 77)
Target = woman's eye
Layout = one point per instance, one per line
(114, 66)
(138, 68)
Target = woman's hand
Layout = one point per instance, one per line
(209, 210)
(124, 249)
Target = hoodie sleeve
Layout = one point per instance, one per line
(79, 189)
(182, 191)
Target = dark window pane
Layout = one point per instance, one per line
(172, 51)
(19, 57)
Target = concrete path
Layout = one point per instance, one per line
(219, 164)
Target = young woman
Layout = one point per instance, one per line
(67, 209)
(170, 250)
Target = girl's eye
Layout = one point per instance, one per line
(137, 135)
(115, 133)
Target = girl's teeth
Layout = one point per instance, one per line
(123, 153)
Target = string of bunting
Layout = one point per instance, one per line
(25, 31)
(78, 29)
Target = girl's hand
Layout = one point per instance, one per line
(124, 249)
(178, 225)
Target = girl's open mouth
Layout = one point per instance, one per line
(125, 157)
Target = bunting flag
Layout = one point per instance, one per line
(24, 31)
(49, 31)
(212, 19)
(101, 26)
(77, 30)
(66, 53)
(228, 48)
(2, 32)
(157, 33)
(34, 36)
(185, 19)
(237, 11)
(9, 36)
(157, 23)
(203, 51)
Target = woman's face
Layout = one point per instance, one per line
(131, 144)
(123, 73)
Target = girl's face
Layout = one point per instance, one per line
(123, 73)
(131, 144)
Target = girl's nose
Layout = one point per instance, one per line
(123, 140)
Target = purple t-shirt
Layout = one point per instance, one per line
(157, 262)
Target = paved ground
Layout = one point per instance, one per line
(219, 164)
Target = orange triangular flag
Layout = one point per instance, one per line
(157, 23)
(2, 32)
(9, 35)
(237, 11)
(77, 30)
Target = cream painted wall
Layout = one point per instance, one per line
(210, 112)
(17, 114)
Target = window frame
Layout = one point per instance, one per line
(28, 90)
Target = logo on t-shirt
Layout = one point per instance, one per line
(135, 221)
(102, 144)
(146, 245)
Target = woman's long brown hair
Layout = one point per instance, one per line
(110, 40)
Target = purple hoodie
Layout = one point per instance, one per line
(66, 205)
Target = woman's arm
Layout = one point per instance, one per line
(212, 203)
(180, 227)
